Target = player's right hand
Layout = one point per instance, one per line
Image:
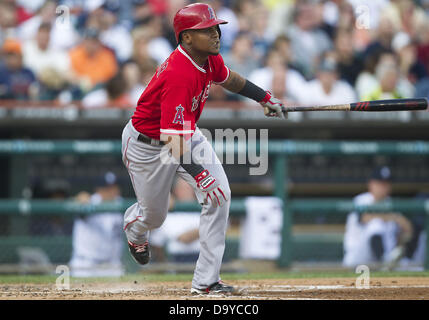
(273, 107)
(211, 189)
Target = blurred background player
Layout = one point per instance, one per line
(97, 238)
(376, 238)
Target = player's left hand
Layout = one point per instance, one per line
(211, 188)
(273, 107)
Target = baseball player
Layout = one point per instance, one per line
(165, 119)
(372, 238)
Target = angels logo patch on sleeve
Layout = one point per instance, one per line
(179, 118)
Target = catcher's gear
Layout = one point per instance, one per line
(211, 188)
(273, 107)
(195, 16)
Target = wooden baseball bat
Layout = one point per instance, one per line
(375, 105)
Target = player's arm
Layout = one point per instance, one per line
(237, 84)
(404, 224)
(180, 150)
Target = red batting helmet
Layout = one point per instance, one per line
(195, 16)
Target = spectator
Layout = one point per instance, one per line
(141, 12)
(134, 81)
(422, 89)
(91, 62)
(173, 7)
(53, 85)
(423, 45)
(409, 65)
(8, 21)
(177, 239)
(282, 44)
(242, 57)
(366, 79)
(305, 37)
(383, 38)
(125, 88)
(322, 20)
(97, 239)
(405, 16)
(158, 46)
(26, 9)
(229, 30)
(243, 10)
(112, 34)
(38, 55)
(141, 39)
(327, 89)
(22, 10)
(63, 34)
(258, 30)
(390, 84)
(147, 68)
(149, 44)
(349, 62)
(280, 17)
(375, 238)
(113, 93)
(137, 77)
(388, 77)
(425, 6)
(350, 22)
(275, 76)
(16, 81)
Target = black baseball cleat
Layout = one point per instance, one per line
(140, 252)
(217, 287)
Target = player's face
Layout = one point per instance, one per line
(206, 40)
(379, 189)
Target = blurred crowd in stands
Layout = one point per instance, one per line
(104, 52)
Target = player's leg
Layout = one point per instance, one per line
(152, 181)
(213, 221)
(354, 242)
(374, 233)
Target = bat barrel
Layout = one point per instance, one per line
(390, 105)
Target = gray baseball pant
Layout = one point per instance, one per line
(152, 180)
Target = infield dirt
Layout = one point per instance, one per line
(404, 288)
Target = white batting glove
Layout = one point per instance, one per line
(211, 188)
(273, 107)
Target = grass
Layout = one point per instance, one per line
(140, 278)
